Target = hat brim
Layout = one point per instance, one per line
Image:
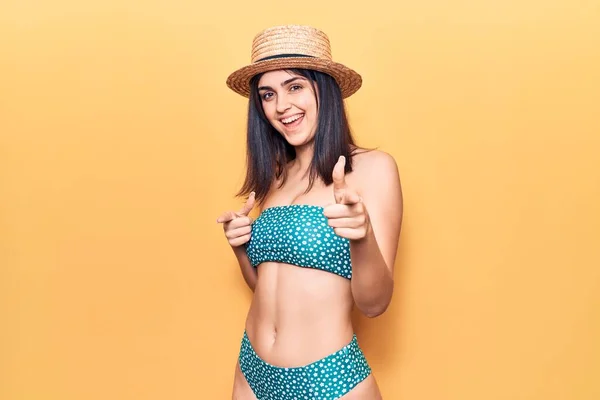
(348, 80)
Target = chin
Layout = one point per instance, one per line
(297, 140)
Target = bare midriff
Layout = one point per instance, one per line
(298, 315)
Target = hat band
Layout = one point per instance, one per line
(284, 56)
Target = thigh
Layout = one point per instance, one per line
(366, 390)
(241, 389)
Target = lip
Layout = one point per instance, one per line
(294, 126)
(289, 116)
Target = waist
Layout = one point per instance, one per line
(298, 315)
(291, 347)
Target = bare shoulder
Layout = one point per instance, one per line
(367, 164)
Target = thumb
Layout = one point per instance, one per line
(249, 204)
(339, 180)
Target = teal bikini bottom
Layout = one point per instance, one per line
(326, 379)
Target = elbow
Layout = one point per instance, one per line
(374, 306)
(374, 310)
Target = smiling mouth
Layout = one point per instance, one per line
(292, 121)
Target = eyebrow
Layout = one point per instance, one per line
(283, 83)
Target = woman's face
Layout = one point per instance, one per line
(290, 105)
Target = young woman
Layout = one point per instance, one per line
(328, 227)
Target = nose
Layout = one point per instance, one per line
(283, 104)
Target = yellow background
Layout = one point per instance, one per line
(120, 145)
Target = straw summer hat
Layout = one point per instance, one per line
(293, 46)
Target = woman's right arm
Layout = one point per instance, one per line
(238, 230)
(248, 271)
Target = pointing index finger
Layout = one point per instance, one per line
(226, 217)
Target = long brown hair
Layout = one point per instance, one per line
(267, 151)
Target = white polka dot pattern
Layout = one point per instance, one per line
(298, 234)
(326, 379)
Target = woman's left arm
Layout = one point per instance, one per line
(371, 218)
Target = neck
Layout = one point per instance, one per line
(304, 156)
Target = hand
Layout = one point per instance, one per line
(348, 216)
(238, 225)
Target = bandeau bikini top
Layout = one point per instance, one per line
(298, 234)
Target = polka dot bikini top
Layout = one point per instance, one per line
(298, 234)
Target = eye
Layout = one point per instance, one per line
(267, 95)
(295, 88)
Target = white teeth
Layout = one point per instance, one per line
(291, 119)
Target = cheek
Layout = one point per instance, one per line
(309, 106)
(269, 110)
(312, 111)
